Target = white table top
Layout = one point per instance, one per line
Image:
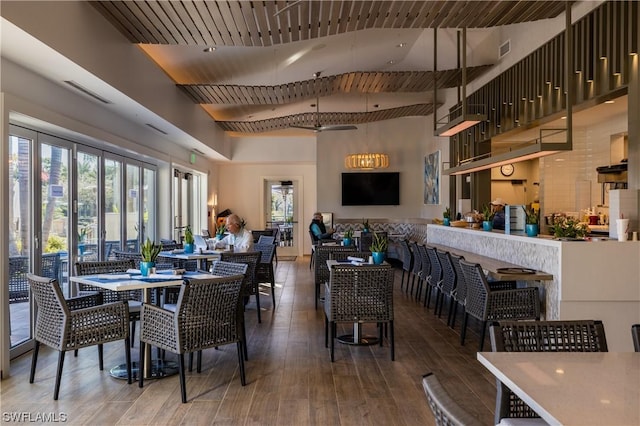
(123, 283)
(208, 254)
(571, 388)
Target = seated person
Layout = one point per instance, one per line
(497, 206)
(318, 230)
(240, 238)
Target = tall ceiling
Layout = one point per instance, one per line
(251, 64)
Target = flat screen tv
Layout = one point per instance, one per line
(371, 189)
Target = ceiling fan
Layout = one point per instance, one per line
(318, 127)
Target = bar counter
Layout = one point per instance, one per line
(591, 280)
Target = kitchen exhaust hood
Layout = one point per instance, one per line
(616, 173)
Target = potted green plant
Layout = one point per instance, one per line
(488, 215)
(378, 248)
(347, 237)
(365, 225)
(149, 252)
(188, 240)
(446, 216)
(532, 218)
(220, 230)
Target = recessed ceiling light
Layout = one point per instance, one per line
(208, 49)
(609, 102)
(391, 62)
(401, 44)
(564, 117)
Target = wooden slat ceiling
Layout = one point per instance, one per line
(270, 23)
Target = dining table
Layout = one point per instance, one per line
(572, 388)
(134, 280)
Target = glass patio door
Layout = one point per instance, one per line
(282, 213)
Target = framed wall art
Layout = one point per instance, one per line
(432, 178)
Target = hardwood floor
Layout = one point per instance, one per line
(290, 379)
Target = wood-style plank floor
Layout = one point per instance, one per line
(290, 379)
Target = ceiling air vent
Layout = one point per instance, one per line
(504, 49)
(87, 92)
(156, 129)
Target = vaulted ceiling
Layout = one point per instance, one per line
(251, 64)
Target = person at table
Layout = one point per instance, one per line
(497, 206)
(239, 237)
(318, 229)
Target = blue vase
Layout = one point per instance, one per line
(145, 268)
(531, 229)
(346, 242)
(188, 248)
(446, 221)
(378, 257)
(487, 225)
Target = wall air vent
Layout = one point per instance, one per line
(87, 92)
(504, 49)
(156, 129)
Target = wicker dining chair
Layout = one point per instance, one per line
(321, 271)
(265, 272)
(359, 294)
(132, 297)
(429, 286)
(250, 285)
(540, 336)
(448, 283)
(460, 292)
(407, 263)
(416, 271)
(486, 304)
(635, 334)
(446, 411)
(435, 275)
(206, 316)
(68, 324)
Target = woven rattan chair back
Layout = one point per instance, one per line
(125, 255)
(107, 267)
(449, 278)
(366, 239)
(64, 327)
(225, 269)
(207, 315)
(425, 264)
(321, 271)
(436, 267)
(446, 411)
(267, 251)
(477, 290)
(540, 336)
(635, 334)
(406, 256)
(359, 294)
(460, 294)
(417, 260)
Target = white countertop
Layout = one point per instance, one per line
(570, 388)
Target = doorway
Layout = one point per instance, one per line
(281, 213)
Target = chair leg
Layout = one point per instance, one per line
(183, 381)
(392, 341)
(258, 303)
(463, 330)
(243, 380)
(402, 280)
(133, 333)
(332, 327)
(273, 290)
(56, 389)
(482, 334)
(199, 362)
(100, 356)
(127, 353)
(453, 310)
(75, 352)
(34, 361)
(141, 364)
(190, 363)
(244, 339)
(326, 331)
